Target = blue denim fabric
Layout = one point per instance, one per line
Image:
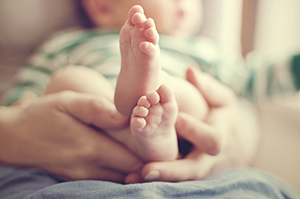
(19, 183)
(240, 183)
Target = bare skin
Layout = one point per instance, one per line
(140, 66)
(153, 125)
(153, 118)
(141, 92)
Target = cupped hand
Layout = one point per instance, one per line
(216, 141)
(58, 133)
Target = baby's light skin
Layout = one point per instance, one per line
(95, 157)
(140, 66)
(153, 120)
(153, 115)
(172, 17)
(153, 125)
(152, 132)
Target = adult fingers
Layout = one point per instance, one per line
(91, 109)
(118, 157)
(215, 93)
(96, 173)
(102, 151)
(195, 166)
(200, 134)
(134, 178)
(95, 156)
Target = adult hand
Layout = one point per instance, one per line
(57, 133)
(229, 132)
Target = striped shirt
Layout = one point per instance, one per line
(254, 78)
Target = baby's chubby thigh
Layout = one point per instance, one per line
(80, 79)
(188, 98)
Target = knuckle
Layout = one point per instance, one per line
(88, 153)
(93, 107)
(97, 105)
(63, 95)
(79, 174)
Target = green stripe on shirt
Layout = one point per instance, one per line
(296, 69)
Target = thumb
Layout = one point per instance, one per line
(201, 135)
(90, 109)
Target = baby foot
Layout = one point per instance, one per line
(153, 125)
(140, 65)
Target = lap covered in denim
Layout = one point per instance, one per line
(240, 183)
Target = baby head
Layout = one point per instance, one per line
(172, 17)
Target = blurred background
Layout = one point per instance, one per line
(271, 27)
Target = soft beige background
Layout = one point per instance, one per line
(24, 24)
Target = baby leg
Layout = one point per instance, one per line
(140, 66)
(80, 79)
(188, 98)
(153, 125)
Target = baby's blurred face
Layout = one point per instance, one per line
(173, 17)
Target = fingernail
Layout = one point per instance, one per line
(153, 175)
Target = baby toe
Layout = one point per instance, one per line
(153, 97)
